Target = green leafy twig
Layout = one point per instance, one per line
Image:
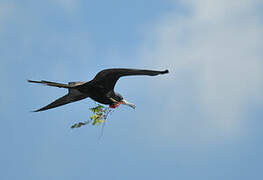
(99, 116)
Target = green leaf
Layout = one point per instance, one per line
(93, 117)
(97, 109)
(78, 125)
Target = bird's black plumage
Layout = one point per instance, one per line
(100, 89)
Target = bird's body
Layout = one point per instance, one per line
(100, 89)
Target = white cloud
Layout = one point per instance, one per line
(217, 52)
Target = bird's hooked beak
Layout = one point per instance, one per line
(123, 101)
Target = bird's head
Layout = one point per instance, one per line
(117, 99)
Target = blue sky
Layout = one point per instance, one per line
(201, 121)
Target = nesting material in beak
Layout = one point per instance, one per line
(127, 103)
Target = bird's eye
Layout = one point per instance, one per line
(120, 98)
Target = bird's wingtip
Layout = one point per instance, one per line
(166, 71)
(35, 111)
(31, 81)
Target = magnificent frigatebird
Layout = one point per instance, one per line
(100, 89)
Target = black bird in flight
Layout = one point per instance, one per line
(100, 89)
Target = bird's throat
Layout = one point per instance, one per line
(115, 105)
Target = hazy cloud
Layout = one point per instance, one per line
(216, 50)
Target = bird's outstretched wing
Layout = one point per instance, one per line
(68, 98)
(108, 77)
